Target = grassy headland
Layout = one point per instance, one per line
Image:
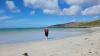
(95, 23)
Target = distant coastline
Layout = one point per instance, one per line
(95, 23)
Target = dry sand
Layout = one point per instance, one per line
(84, 45)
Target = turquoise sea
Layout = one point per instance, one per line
(15, 35)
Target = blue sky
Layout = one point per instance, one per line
(40, 13)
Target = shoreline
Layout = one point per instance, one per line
(84, 45)
(9, 37)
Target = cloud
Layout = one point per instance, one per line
(75, 2)
(92, 11)
(12, 7)
(4, 17)
(48, 6)
(72, 11)
(49, 11)
(32, 12)
(83, 2)
(96, 17)
(89, 7)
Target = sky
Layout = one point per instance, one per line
(41, 13)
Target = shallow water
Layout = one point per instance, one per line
(25, 35)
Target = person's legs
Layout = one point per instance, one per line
(46, 38)
(46, 34)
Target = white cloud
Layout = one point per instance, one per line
(76, 7)
(83, 2)
(75, 2)
(2, 17)
(73, 10)
(97, 17)
(48, 11)
(61, 13)
(32, 12)
(48, 6)
(94, 10)
(11, 6)
(90, 7)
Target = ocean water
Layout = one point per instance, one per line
(29, 34)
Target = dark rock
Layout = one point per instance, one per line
(25, 54)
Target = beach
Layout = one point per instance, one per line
(81, 45)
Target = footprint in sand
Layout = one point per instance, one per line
(86, 38)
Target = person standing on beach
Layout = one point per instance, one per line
(46, 31)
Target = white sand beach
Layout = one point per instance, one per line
(83, 45)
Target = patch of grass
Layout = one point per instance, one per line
(90, 24)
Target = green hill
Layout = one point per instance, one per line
(90, 24)
(77, 24)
